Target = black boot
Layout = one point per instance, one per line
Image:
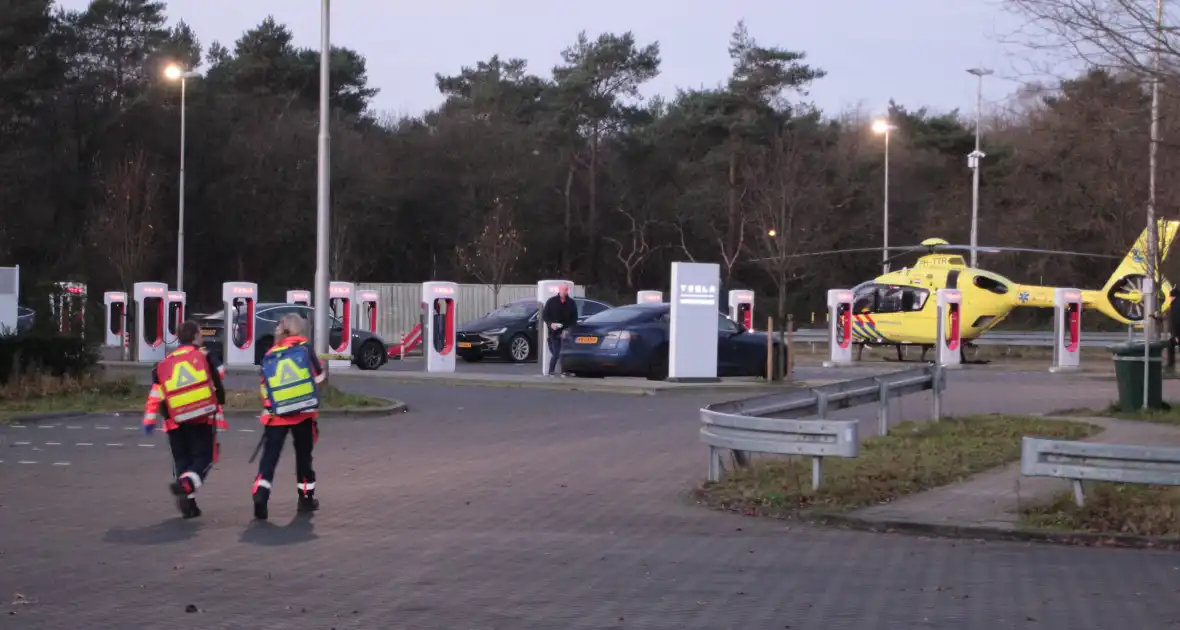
(186, 505)
(307, 504)
(261, 497)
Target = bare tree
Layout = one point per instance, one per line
(126, 222)
(790, 208)
(1117, 35)
(634, 248)
(491, 255)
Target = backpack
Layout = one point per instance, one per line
(289, 380)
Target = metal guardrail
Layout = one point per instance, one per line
(773, 423)
(1086, 461)
(1025, 339)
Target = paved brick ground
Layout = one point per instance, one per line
(513, 509)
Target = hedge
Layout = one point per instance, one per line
(53, 354)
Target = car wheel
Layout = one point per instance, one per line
(657, 370)
(471, 357)
(260, 348)
(519, 348)
(369, 355)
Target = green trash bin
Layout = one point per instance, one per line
(1128, 370)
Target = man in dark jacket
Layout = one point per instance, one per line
(560, 313)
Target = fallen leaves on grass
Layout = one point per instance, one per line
(1112, 508)
(914, 457)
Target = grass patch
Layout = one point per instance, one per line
(1160, 416)
(43, 394)
(914, 457)
(1111, 508)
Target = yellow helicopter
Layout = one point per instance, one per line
(897, 308)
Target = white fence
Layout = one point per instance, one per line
(398, 305)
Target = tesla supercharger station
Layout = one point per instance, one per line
(839, 328)
(341, 303)
(741, 308)
(545, 290)
(176, 305)
(299, 296)
(115, 309)
(68, 307)
(692, 353)
(949, 338)
(649, 297)
(1067, 330)
(147, 321)
(240, 300)
(366, 306)
(9, 296)
(438, 328)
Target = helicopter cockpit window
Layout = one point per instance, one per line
(865, 300)
(889, 300)
(990, 284)
(913, 299)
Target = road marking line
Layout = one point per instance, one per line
(84, 444)
(26, 462)
(115, 444)
(72, 426)
(21, 443)
(61, 463)
(53, 444)
(18, 426)
(149, 445)
(46, 426)
(101, 427)
(130, 428)
(246, 430)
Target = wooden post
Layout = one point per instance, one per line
(769, 349)
(790, 348)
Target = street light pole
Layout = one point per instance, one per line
(1152, 235)
(883, 127)
(180, 219)
(322, 197)
(973, 161)
(174, 72)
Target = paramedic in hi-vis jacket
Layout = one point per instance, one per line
(187, 392)
(291, 375)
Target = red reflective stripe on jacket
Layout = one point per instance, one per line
(316, 369)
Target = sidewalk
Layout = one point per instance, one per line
(993, 499)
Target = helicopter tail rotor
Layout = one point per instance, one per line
(1122, 298)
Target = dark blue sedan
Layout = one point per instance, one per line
(633, 341)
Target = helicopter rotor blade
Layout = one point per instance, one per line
(1030, 250)
(853, 250)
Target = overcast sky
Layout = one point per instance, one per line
(916, 51)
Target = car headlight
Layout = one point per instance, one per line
(493, 332)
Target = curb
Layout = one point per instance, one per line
(972, 532)
(1077, 539)
(393, 407)
(589, 386)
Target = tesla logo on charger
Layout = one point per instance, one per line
(698, 294)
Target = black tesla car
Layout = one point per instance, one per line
(633, 341)
(368, 350)
(510, 332)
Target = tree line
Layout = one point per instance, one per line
(524, 173)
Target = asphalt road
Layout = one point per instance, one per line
(509, 508)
